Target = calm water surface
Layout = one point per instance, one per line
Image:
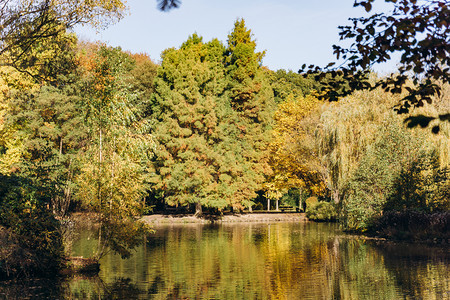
(256, 261)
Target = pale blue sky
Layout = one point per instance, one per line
(292, 32)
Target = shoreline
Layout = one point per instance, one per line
(160, 219)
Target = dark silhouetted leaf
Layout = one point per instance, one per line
(419, 120)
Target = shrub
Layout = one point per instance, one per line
(29, 234)
(413, 225)
(311, 201)
(322, 211)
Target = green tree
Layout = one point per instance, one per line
(213, 110)
(286, 83)
(50, 122)
(115, 162)
(46, 122)
(186, 105)
(373, 181)
(253, 105)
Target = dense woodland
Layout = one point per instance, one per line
(85, 126)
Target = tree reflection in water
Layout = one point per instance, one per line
(261, 261)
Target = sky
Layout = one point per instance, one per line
(292, 32)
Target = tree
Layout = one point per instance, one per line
(29, 233)
(285, 84)
(115, 160)
(44, 122)
(25, 23)
(213, 110)
(253, 105)
(186, 105)
(293, 154)
(418, 30)
(373, 163)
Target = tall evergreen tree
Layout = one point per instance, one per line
(212, 110)
(188, 86)
(253, 105)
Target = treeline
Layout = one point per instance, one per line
(84, 125)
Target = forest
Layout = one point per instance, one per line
(89, 127)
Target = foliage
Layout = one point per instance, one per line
(292, 150)
(311, 201)
(251, 118)
(187, 162)
(114, 175)
(45, 122)
(399, 170)
(141, 80)
(344, 132)
(413, 225)
(421, 185)
(366, 191)
(371, 161)
(418, 30)
(29, 233)
(322, 211)
(11, 146)
(211, 112)
(26, 24)
(285, 84)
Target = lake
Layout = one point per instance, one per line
(254, 261)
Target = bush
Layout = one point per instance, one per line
(322, 211)
(311, 202)
(413, 225)
(29, 234)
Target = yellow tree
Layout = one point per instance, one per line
(293, 154)
(11, 143)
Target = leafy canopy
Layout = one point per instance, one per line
(418, 30)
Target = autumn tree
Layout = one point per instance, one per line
(252, 102)
(372, 162)
(294, 157)
(23, 24)
(113, 180)
(186, 105)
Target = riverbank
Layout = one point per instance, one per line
(233, 218)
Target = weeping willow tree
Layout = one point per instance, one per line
(344, 132)
(374, 162)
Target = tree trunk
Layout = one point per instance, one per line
(198, 209)
(100, 158)
(250, 209)
(277, 209)
(336, 196)
(268, 204)
(300, 202)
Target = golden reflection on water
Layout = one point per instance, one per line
(264, 261)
